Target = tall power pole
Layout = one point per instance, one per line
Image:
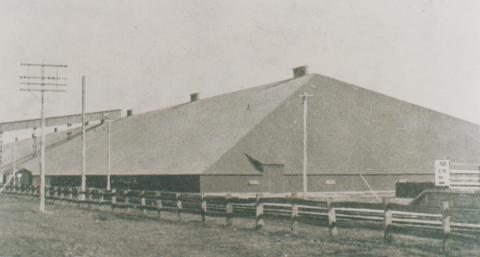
(43, 83)
(305, 156)
(109, 153)
(14, 161)
(84, 151)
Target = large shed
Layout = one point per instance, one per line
(252, 141)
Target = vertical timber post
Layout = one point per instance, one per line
(142, 203)
(259, 212)
(228, 210)
(387, 235)
(294, 222)
(114, 199)
(203, 209)
(446, 216)
(127, 200)
(159, 203)
(332, 219)
(179, 205)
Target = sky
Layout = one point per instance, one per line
(145, 55)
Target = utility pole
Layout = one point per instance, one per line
(84, 153)
(1, 149)
(14, 161)
(39, 83)
(109, 128)
(305, 110)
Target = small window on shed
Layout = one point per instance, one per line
(253, 182)
(330, 182)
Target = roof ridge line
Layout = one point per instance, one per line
(279, 82)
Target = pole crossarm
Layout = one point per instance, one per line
(61, 120)
(42, 90)
(44, 77)
(43, 84)
(44, 65)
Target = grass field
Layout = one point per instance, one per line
(72, 231)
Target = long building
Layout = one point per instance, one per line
(252, 141)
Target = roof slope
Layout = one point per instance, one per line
(352, 130)
(184, 139)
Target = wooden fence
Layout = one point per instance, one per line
(392, 217)
(456, 175)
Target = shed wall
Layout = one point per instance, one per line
(316, 183)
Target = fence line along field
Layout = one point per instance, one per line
(444, 223)
(71, 231)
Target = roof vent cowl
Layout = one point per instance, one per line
(300, 71)
(194, 97)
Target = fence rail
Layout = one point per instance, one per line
(391, 216)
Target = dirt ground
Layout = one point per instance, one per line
(73, 231)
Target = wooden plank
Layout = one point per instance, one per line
(358, 217)
(464, 164)
(475, 172)
(360, 210)
(416, 214)
(452, 183)
(417, 221)
(465, 225)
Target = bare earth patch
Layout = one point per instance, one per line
(73, 231)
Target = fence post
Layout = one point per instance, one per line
(127, 200)
(89, 197)
(294, 222)
(446, 215)
(387, 235)
(159, 203)
(54, 195)
(258, 212)
(179, 205)
(80, 196)
(62, 194)
(228, 210)
(114, 198)
(70, 194)
(142, 203)
(102, 196)
(332, 219)
(203, 209)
